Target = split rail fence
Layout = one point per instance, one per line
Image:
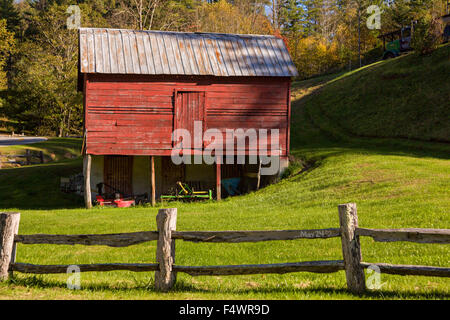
(166, 234)
(28, 156)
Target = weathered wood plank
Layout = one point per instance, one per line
(407, 234)
(111, 240)
(47, 269)
(254, 236)
(412, 270)
(308, 266)
(280, 268)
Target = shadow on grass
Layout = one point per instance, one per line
(38, 186)
(37, 282)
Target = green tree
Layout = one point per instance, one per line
(9, 12)
(43, 95)
(7, 46)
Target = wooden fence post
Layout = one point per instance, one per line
(41, 156)
(9, 227)
(166, 221)
(351, 248)
(28, 156)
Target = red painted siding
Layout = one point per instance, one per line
(134, 115)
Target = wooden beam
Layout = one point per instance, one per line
(152, 169)
(9, 226)
(412, 270)
(351, 248)
(258, 180)
(254, 236)
(309, 266)
(87, 180)
(218, 179)
(407, 234)
(47, 269)
(111, 240)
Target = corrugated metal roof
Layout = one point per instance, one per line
(183, 53)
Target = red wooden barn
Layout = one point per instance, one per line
(139, 86)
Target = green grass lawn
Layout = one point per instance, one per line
(396, 183)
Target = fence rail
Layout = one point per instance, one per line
(413, 270)
(166, 234)
(280, 268)
(254, 236)
(412, 235)
(111, 240)
(58, 268)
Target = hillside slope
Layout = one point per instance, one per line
(406, 97)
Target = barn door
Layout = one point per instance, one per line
(118, 175)
(190, 107)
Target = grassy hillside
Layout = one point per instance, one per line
(54, 149)
(395, 183)
(407, 97)
(37, 186)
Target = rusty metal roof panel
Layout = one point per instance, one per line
(210, 52)
(154, 51)
(142, 57)
(119, 51)
(170, 54)
(187, 69)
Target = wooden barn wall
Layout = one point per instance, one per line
(134, 115)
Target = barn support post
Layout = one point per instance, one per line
(351, 248)
(152, 172)
(218, 179)
(258, 177)
(9, 227)
(87, 160)
(166, 222)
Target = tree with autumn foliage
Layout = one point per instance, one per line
(7, 46)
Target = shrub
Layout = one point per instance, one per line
(427, 34)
